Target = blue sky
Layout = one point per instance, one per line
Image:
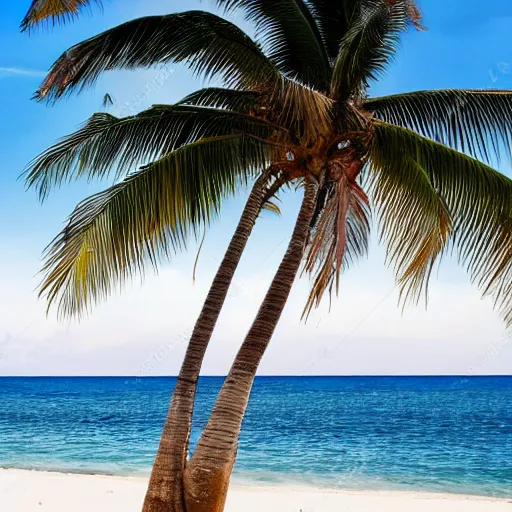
(143, 330)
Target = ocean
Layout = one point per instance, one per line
(440, 434)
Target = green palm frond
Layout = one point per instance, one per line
(109, 145)
(476, 198)
(368, 46)
(288, 104)
(333, 20)
(290, 37)
(473, 121)
(229, 99)
(55, 10)
(210, 45)
(112, 235)
(413, 219)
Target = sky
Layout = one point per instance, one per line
(143, 330)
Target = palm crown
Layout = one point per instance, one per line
(293, 105)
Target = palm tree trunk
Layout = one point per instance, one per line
(165, 491)
(208, 473)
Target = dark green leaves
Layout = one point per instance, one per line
(413, 218)
(113, 234)
(477, 199)
(290, 38)
(230, 99)
(107, 145)
(368, 46)
(333, 19)
(307, 93)
(475, 122)
(209, 44)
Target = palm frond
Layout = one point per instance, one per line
(414, 14)
(271, 206)
(477, 198)
(112, 235)
(290, 37)
(54, 10)
(301, 110)
(340, 237)
(107, 145)
(414, 221)
(368, 46)
(210, 45)
(229, 99)
(333, 20)
(473, 121)
(304, 111)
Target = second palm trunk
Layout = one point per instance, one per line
(208, 473)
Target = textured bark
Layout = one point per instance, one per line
(165, 491)
(207, 475)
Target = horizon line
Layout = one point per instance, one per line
(257, 376)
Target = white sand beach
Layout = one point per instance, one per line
(34, 491)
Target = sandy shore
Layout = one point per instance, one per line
(31, 491)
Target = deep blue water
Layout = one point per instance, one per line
(447, 434)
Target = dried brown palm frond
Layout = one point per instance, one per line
(340, 233)
(340, 237)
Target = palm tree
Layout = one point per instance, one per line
(111, 234)
(310, 120)
(200, 149)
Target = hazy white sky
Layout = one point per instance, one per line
(143, 330)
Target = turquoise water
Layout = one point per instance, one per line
(446, 434)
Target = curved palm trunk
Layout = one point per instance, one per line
(165, 491)
(208, 473)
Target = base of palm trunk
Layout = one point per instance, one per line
(167, 498)
(206, 490)
(157, 505)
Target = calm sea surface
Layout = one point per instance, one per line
(446, 434)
